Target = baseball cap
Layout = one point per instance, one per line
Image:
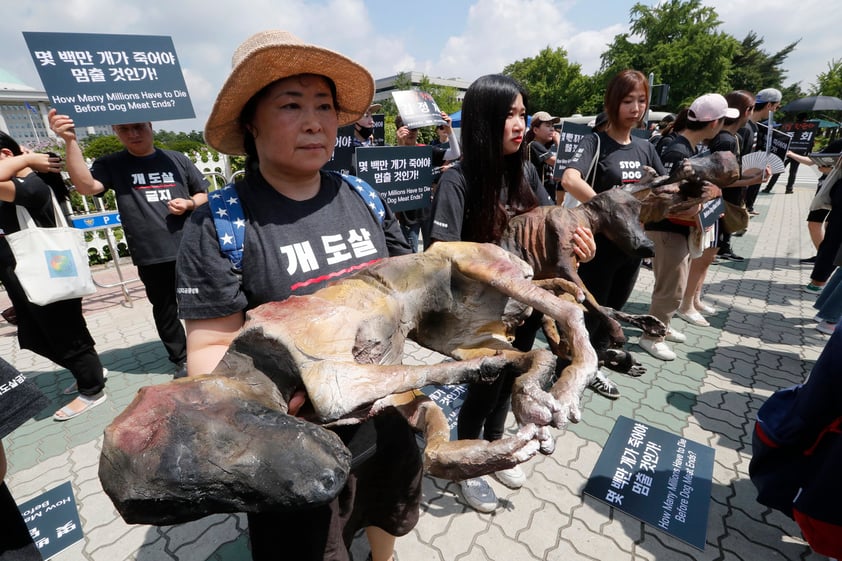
(711, 107)
(769, 95)
(544, 117)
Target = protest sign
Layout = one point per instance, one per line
(342, 159)
(710, 212)
(403, 174)
(111, 79)
(780, 141)
(803, 134)
(53, 520)
(569, 138)
(449, 399)
(657, 477)
(417, 109)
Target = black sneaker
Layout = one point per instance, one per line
(731, 256)
(603, 386)
(180, 371)
(808, 259)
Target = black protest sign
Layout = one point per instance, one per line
(110, 79)
(53, 520)
(710, 213)
(569, 138)
(417, 109)
(342, 159)
(657, 477)
(402, 174)
(803, 134)
(779, 144)
(449, 399)
(379, 133)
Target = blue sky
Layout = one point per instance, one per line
(447, 38)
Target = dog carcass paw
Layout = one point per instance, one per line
(535, 407)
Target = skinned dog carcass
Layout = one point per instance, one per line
(543, 237)
(225, 443)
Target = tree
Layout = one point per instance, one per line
(553, 83)
(754, 70)
(679, 42)
(830, 82)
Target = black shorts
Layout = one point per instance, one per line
(383, 491)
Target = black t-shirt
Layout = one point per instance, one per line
(448, 213)
(144, 186)
(725, 141)
(618, 164)
(291, 247)
(32, 193)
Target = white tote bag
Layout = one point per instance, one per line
(52, 263)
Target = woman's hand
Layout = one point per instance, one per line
(42, 163)
(584, 246)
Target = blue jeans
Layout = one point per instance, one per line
(829, 302)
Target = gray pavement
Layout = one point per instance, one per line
(761, 339)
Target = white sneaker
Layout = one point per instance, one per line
(513, 478)
(478, 494)
(656, 348)
(675, 336)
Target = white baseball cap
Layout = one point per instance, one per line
(711, 107)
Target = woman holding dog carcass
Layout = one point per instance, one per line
(618, 159)
(281, 107)
(474, 202)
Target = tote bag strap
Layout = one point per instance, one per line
(26, 221)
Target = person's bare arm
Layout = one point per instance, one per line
(80, 175)
(208, 339)
(574, 184)
(10, 167)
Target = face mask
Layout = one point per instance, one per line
(365, 132)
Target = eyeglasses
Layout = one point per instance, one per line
(441, 127)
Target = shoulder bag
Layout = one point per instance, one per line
(52, 263)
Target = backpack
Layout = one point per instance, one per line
(230, 221)
(797, 453)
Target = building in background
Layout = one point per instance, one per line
(383, 87)
(23, 113)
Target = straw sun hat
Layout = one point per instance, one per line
(269, 56)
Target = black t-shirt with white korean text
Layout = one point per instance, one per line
(290, 247)
(143, 187)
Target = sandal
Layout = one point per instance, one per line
(66, 413)
(73, 388)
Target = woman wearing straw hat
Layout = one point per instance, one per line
(281, 106)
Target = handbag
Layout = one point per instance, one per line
(52, 263)
(569, 200)
(736, 217)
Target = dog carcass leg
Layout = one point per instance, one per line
(461, 459)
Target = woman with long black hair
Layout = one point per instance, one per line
(474, 202)
(56, 331)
